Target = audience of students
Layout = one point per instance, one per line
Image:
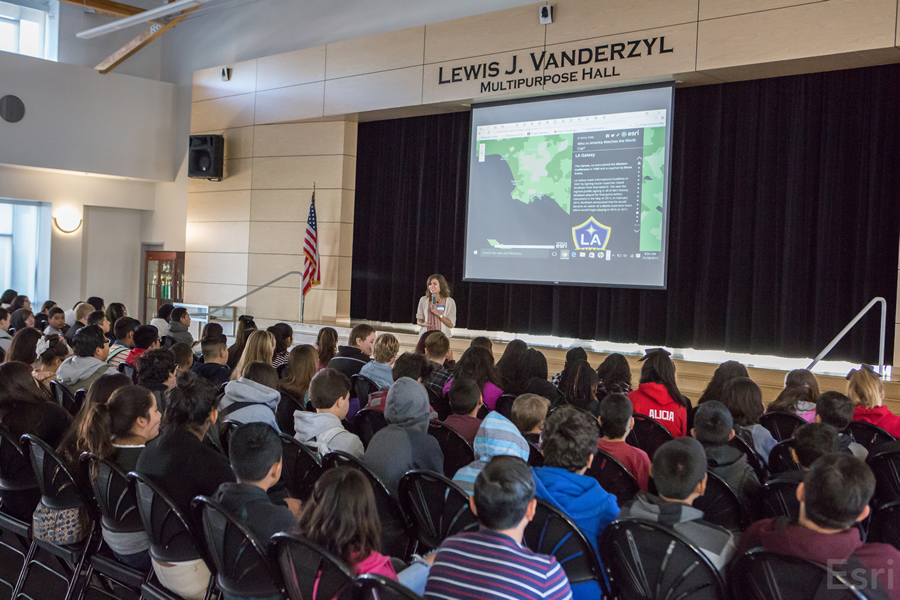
(253, 398)
(496, 436)
(329, 394)
(409, 364)
(867, 394)
(326, 346)
(146, 337)
(478, 364)
(385, 353)
(836, 409)
(617, 421)
(799, 396)
(156, 372)
(528, 414)
(465, 402)
(71, 446)
(89, 363)
(214, 367)
(743, 399)
(51, 351)
(284, 339)
(350, 359)
(259, 348)
(658, 396)
(123, 329)
(161, 321)
(294, 385)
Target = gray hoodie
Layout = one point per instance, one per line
(179, 333)
(79, 372)
(308, 426)
(5, 340)
(264, 398)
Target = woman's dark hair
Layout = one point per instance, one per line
(213, 330)
(423, 339)
(57, 350)
(20, 399)
(743, 399)
(8, 296)
(23, 347)
(728, 370)
(190, 402)
(614, 371)
(341, 515)
(658, 368)
(114, 312)
(17, 303)
(443, 286)
(534, 364)
(581, 385)
(282, 332)
(246, 326)
(326, 344)
(300, 371)
(165, 311)
(70, 447)
(45, 308)
(155, 366)
(262, 374)
(573, 355)
(114, 418)
(478, 364)
(18, 317)
(800, 385)
(96, 302)
(509, 367)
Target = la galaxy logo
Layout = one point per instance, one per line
(591, 235)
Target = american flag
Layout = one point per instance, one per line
(311, 250)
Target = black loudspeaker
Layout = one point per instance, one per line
(206, 157)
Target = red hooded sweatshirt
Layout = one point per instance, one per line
(653, 400)
(881, 416)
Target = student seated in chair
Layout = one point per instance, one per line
(179, 326)
(214, 367)
(834, 497)
(810, 442)
(329, 393)
(714, 428)
(570, 441)
(528, 414)
(254, 452)
(679, 473)
(836, 409)
(124, 331)
(56, 322)
(146, 337)
(89, 363)
(379, 370)
(253, 398)
(465, 402)
(617, 420)
(492, 563)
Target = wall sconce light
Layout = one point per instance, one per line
(67, 220)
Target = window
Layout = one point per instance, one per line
(29, 27)
(25, 247)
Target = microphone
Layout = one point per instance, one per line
(432, 298)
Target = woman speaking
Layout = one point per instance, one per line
(437, 310)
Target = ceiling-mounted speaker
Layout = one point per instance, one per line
(206, 157)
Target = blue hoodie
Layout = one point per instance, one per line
(585, 502)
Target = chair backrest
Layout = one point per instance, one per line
(457, 451)
(885, 524)
(242, 563)
(553, 532)
(437, 507)
(535, 456)
(504, 405)
(779, 499)
(753, 458)
(868, 435)
(114, 495)
(226, 430)
(309, 571)
(647, 560)
(19, 492)
(762, 575)
(128, 369)
(363, 386)
(367, 423)
(171, 536)
(58, 483)
(781, 425)
(376, 587)
(886, 467)
(302, 467)
(780, 458)
(648, 434)
(721, 505)
(613, 477)
(71, 402)
(439, 403)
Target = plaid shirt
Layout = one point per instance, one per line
(438, 379)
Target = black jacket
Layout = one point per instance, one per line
(731, 465)
(214, 373)
(349, 360)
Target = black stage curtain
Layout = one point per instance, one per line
(784, 223)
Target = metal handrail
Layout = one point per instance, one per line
(263, 286)
(850, 325)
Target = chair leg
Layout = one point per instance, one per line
(87, 583)
(24, 573)
(77, 573)
(210, 588)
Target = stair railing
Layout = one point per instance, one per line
(850, 325)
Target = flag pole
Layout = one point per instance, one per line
(302, 299)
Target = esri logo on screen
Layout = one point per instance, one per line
(591, 235)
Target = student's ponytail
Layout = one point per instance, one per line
(96, 436)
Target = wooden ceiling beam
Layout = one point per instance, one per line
(140, 42)
(109, 7)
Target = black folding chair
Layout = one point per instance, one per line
(721, 505)
(301, 469)
(171, 537)
(439, 403)
(128, 369)
(553, 532)
(367, 423)
(457, 451)
(71, 402)
(363, 386)
(535, 456)
(60, 489)
(885, 524)
(613, 477)
(504, 405)
(243, 567)
(19, 495)
(117, 505)
(437, 507)
(753, 458)
(648, 560)
(306, 567)
(154, 591)
(779, 498)
(868, 435)
(376, 587)
(762, 575)
(781, 425)
(226, 430)
(886, 467)
(648, 434)
(780, 458)
(396, 535)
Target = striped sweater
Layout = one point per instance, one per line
(488, 565)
